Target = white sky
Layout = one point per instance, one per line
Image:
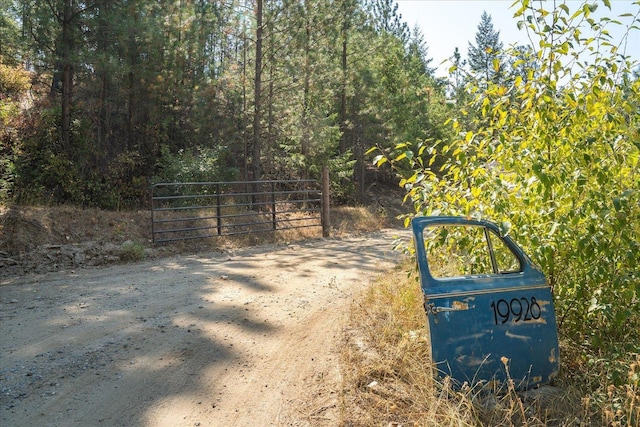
(447, 24)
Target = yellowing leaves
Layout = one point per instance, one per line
(502, 119)
(478, 172)
(518, 81)
(379, 160)
(496, 65)
(468, 136)
(475, 192)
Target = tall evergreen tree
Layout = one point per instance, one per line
(386, 19)
(418, 53)
(348, 12)
(9, 33)
(486, 57)
(458, 76)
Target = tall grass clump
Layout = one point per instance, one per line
(386, 361)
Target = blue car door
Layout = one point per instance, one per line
(489, 308)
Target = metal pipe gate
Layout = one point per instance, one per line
(198, 210)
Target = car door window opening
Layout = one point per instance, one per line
(458, 251)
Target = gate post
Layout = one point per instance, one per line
(325, 202)
(218, 210)
(274, 216)
(153, 217)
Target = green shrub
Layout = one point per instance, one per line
(131, 251)
(202, 164)
(14, 84)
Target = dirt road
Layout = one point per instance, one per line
(243, 339)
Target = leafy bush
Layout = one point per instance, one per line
(14, 81)
(14, 84)
(203, 164)
(131, 251)
(43, 171)
(555, 158)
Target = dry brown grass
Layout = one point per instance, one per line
(345, 220)
(386, 363)
(360, 219)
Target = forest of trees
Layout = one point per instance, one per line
(101, 97)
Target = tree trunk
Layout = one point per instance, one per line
(272, 170)
(67, 74)
(104, 106)
(343, 89)
(306, 134)
(242, 123)
(257, 142)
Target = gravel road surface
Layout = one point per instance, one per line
(243, 339)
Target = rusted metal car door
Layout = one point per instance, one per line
(489, 308)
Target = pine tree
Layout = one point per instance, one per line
(386, 19)
(486, 58)
(418, 53)
(458, 76)
(9, 33)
